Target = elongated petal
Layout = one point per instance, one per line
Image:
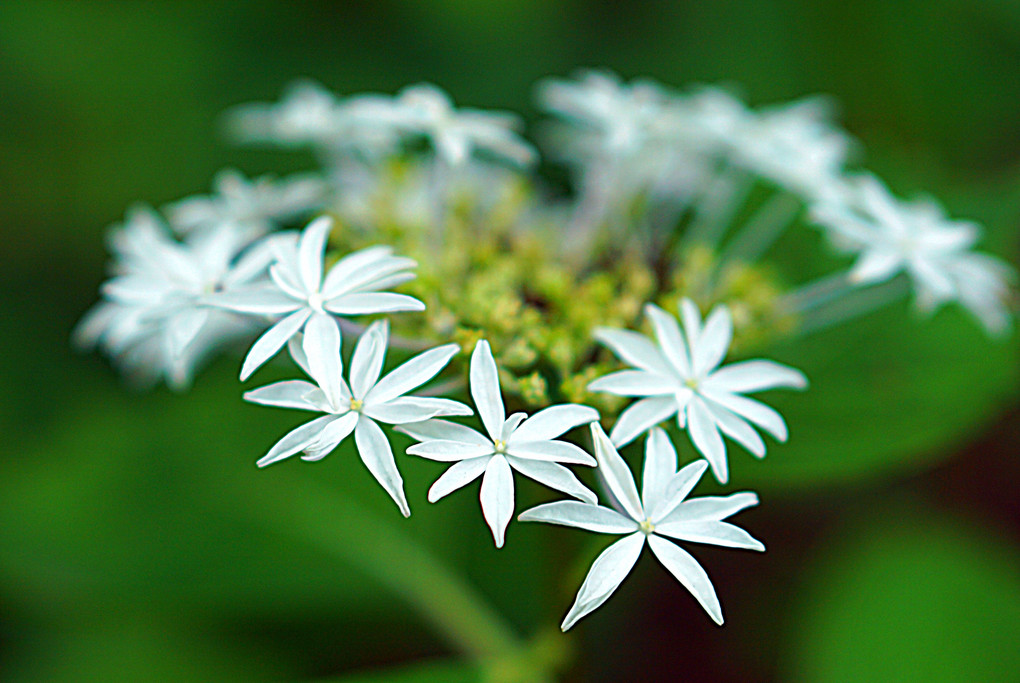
(671, 341)
(311, 251)
(449, 451)
(679, 485)
(283, 279)
(689, 573)
(711, 508)
(705, 435)
(485, 389)
(642, 416)
(347, 267)
(551, 451)
(605, 576)
(367, 303)
(414, 409)
(290, 394)
(635, 383)
(595, 518)
(261, 301)
(554, 421)
(633, 348)
(368, 358)
(554, 476)
(322, 349)
(876, 265)
(510, 424)
(754, 375)
(616, 473)
(497, 496)
(691, 317)
(736, 428)
(412, 374)
(714, 342)
(711, 532)
(375, 276)
(375, 452)
(296, 440)
(459, 474)
(297, 352)
(660, 466)
(335, 432)
(266, 346)
(443, 430)
(752, 410)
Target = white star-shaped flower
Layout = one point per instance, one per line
(661, 511)
(356, 407)
(527, 445)
(301, 293)
(681, 376)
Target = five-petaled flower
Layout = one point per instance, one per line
(660, 511)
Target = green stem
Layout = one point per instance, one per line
(763, 228)
(714, 211)
(854, 305)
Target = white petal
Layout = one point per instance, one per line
(553, 422)
(412, 374)
(706, 438)
(692, 321)
(875, 265)
(262, 301)
(349, 266)
(368, 358)
(311, 251)
(642, 416)
(443, 430)
(372, 277)
(736, 428)
(297, 353)
(677, 488)
(335, 432)
(634, 349)
(635, 383)
(296, 440)
(283, 279)
(606, 574)
(554, 476)
(754, 375)
(377, 455)
(449, 451)
(485, 389)
(457, 475)
(660, 466)
(582, 516)
(414, 409)
(290, 394)
(373, 302)
(711, 532)
(711, 508)
(510, 424)
(184, 327)
(497, 496)
(752, 410)
(616, 473)
(266, 346)
(714, 341)
(551, 451)
(322, 349)
(671, 341)
(689, 573)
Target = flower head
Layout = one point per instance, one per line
(680, 375)
(660, 512)
(528, 445)
(358, 406)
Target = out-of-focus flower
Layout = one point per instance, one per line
(660, 511)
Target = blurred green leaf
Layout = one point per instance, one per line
(425, 672)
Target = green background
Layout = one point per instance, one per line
(139, 542)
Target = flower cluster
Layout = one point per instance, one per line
(428, 211)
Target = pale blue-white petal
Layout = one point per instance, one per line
(753, 375)
(444, 430)
(375, 452)
(550, 451)
(634, 349)
(736, 428)
(497, 497)
(876, 265)
(266, 346)
(660, 466)
(605, 576)
(411, 409)
(635, 383)
(711, 508)
(671, 341)
(335, 432)
(691, 317)
(459, 474)
(485, 390)
(322, 349)
(753, 411)
(373, 277)
(412, 374)
(553, 422)
(296, 440)
(689, 573)
(449, 451)
(554, 476)
(595, 518)
(616, 473)
(712, 533)
(641, 416)
(349, 266)
(713, 343)
(293, 393)
(510, 424)
(368, 303)
(256, 301)
(705, 435)
(677, 488)
(368, 358)
(312, 250)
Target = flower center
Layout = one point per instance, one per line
(500, 445)
(691, 383)
(356, 404)
(315, 302)
(647, 527)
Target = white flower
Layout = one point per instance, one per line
(256, 206)
(681, 376)
(455, 134)
(301, 293)
(356, 407)
(526, 445)
(659, 512)
(917, 238)
(155, 319)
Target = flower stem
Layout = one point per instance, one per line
(715, 210)
(816, 293)
(763, 228)
(854, 306)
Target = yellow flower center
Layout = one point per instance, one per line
(647, 527)
(500, 446)
(356, 404)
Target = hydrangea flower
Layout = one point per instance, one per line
(660, 512)
(155, 319)
(680, 375)
(358, 406)
(528, 445)
(301, 293)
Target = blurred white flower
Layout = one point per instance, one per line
(527, 445)
(356, 407)
(681, 376)
(660, 511)
(299, 291)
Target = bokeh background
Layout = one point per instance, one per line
(138, 541)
